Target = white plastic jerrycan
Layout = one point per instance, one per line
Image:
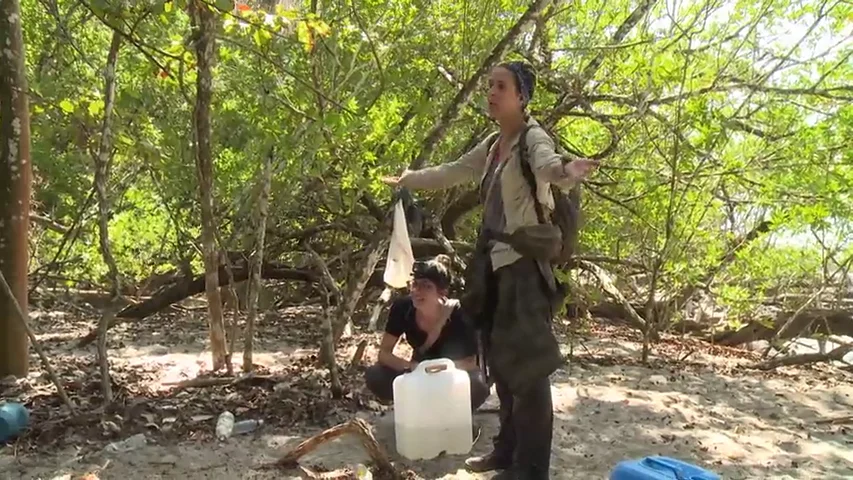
(432, 411)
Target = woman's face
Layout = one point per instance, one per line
(504, 97)
(425, 295)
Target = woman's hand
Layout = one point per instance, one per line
(393, 181)
(580, 168)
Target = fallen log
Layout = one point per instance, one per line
(607, 284)
(806, 323)
(184, 289)
(837, 354)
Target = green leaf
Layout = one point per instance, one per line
(321, 27)
(225, 5)
(303, 34)
(261, 36)
(286, 13)
(66, 106)
(99, 6)
(96, 107)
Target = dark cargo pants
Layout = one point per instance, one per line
(523, 352)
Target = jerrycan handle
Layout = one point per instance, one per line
(435, 366)
(679, 474)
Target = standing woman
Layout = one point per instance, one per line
(518, 306)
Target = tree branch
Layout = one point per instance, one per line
(463, 96)
(564, 104)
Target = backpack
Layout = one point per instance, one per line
(566, 215)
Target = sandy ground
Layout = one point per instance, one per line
(735, 422)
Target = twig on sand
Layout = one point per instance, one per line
(358, 355)
(836, 420)
(201, 382)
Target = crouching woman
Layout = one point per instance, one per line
(434, 327)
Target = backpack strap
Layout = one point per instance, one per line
(491, 139)
(527, 171)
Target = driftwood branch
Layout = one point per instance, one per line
(7, 290)
(381, 461)
(782, 331)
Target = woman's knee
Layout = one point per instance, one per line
(380, 380)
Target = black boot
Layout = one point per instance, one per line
(487, 463)
(501, 457)
(516, 473)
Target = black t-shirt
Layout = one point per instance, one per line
(456, 341)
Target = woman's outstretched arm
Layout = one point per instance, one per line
(548, 165)
(467, 169)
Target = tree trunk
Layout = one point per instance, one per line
(330, 291)
(358, 282)
(204, 24)
(102, 164)
(257, 262)
(15, 185)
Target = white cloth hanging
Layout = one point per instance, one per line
(398, 266)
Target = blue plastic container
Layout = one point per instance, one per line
(660, 468)
(14, 418)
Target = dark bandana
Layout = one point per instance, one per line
(524, 80)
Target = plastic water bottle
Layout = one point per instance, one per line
(14, 418)
(362, 472)
(127, 445)
(224, 425)
(246, 426)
